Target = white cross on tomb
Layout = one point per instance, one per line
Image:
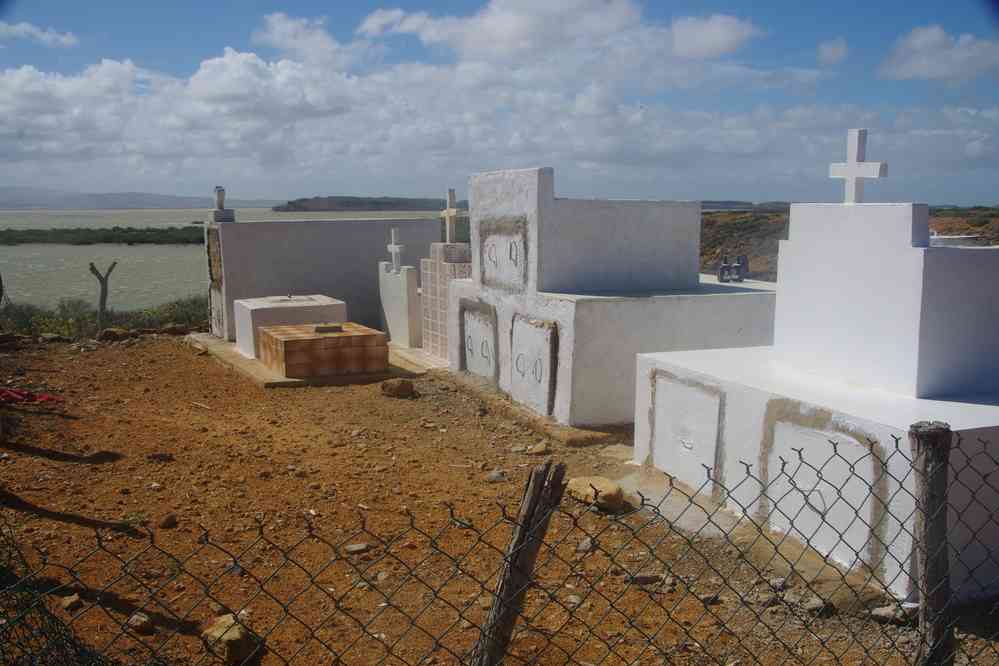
(395, 249)
(855, 169)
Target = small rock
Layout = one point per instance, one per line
(517, 449)
(644, 579)
(160, 457)
(357, 548)
(539, 449)
(896, 614)
(382, 576)
(53, 337)
(496, 476)
(114, 335)
(398, 388)
(777, 584)
(356, 432)
(573, 600)
(140, 623)
(710, 599)
(818, 607)
(154, 486)
(168, 522)
(767, 599)
(264, 475)
(228, 640)
(71, 603)
(608, 495)
(174, 329)
(587, 545)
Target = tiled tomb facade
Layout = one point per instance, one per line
(447, 262)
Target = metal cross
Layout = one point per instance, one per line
(855, 169)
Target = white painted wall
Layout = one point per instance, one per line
(847, 309)
(610, 331)
(581, 245)
(401, 309)
(704, 400)
(959, 327)
(334, 257)
(598, 337)
(589, 246)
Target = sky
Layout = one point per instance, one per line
(624, 98)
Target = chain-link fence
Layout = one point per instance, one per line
(807, 570)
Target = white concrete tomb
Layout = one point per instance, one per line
(870, 337)
(564, 292)
(252, 313)
(399, 291)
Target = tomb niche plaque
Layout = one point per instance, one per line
(533, 363)
(478, 331)
(504, 247)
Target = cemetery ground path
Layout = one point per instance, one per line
(153, 429)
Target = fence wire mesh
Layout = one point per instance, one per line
(812, 561)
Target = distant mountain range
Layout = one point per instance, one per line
(25, 198)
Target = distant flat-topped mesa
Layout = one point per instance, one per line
(564, 293)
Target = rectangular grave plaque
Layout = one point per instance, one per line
(823, 497)
(479, 339)
(503, 252)
(533, 363)
(685, 429)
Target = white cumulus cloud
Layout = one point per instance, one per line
(931, 53)
(584, 86)
(31, 32)
(710, 37)
(833, 51)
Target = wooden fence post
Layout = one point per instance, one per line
(930, 443)
(541, 497)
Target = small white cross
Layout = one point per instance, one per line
(395, 249)
(855, 168)
(450, 215)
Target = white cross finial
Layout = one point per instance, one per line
(855, 169)
(395, 249)
(450, 216)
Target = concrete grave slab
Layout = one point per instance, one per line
(252, 313)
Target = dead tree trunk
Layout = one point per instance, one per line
(102, 304)
(541, 497)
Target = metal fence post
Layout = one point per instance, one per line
(931, 442)
(542, 495)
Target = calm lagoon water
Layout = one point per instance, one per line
(146, 275)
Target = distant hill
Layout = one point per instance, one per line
(341, 203)
(25, 198)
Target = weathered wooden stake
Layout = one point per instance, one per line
(102, 304)
(541, 497)
(931, 444)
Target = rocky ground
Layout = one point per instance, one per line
(340, 520)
